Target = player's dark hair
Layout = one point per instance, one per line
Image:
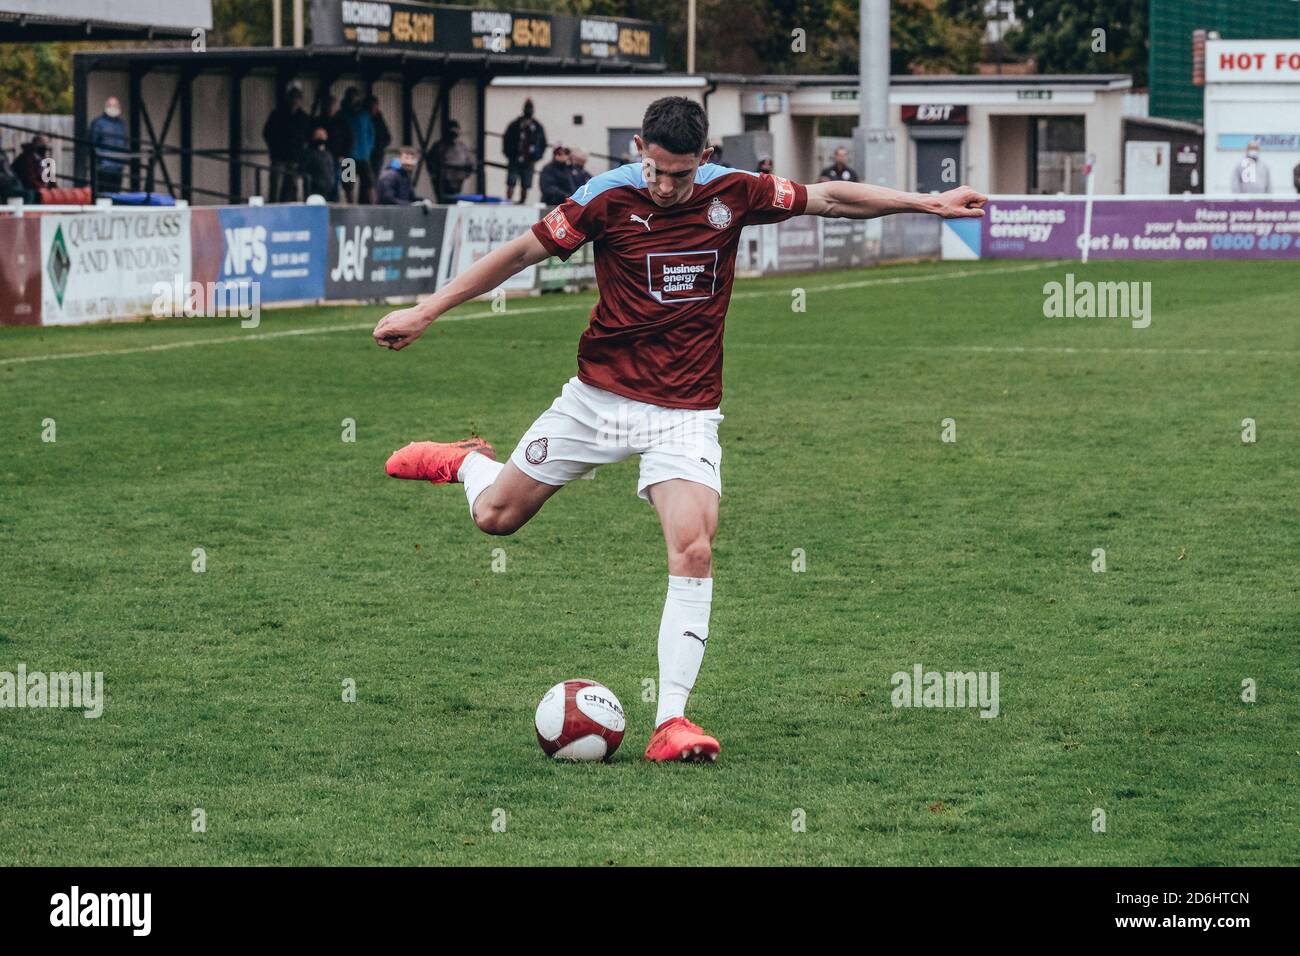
(676, 123)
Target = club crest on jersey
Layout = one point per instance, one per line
(536, 451)
(719, 215)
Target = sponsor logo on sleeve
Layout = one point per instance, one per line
(682, 276)
(561, 230)
(782, 193)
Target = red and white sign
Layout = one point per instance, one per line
(935, 114)
(1252, 61)
(782, 193)
(562, 231)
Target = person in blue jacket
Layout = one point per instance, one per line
(396, 187)
(109, 139)
(357, 111)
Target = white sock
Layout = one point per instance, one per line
(477, 471)
(683, 633)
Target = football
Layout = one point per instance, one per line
(580, 720)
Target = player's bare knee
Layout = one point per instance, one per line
(695, 557)
(496, 519)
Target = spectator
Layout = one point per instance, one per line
(395, 184)
(1295, 177)
(450, 163)
(839, 169)
(285, 132)
(578, 157)
(340, 136)
(1251, 175)
(319, 168)
(383, 135)
(765, 164)
(524, 144)
(29, 167)
(10, 187)
(109, 141)
(557, 177)
(357, 112)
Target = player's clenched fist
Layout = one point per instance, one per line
(962, 203)
(400, 328)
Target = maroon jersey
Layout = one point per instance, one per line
(664, 276)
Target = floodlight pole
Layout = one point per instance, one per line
(873, 139)
(690, 36)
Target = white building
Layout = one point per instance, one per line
(1003, 134)
(1252, 95)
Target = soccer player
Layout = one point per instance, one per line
(649, 376)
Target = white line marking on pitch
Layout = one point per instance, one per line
(357, 327)
(1018, 349)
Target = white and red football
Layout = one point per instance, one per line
(580, 720)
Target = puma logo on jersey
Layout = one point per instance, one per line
(645, 222)
(702, 640)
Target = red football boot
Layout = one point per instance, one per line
(679, 739)
(438, 462)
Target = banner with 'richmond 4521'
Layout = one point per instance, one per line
(1175, 228)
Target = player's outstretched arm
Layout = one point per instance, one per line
(862, 201)
(399, 329)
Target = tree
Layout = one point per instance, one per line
(930, 36)
(36, 78)
(1083, 36)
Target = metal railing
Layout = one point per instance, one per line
(152, 159)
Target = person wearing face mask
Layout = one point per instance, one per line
(319, 169)
(286, 133)
(1251, 175)
(451, 162)
(109, 139)
(524, 143)
(395, 185)
(337, 124)
(557, 177)
(30, 164)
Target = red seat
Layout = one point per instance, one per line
(66, 196)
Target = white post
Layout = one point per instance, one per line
(299, 35)
(1085, 241)
(277, 38)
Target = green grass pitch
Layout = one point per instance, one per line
(1119, 691)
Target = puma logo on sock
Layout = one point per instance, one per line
(702, 640)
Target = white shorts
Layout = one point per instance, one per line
(588, 426)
